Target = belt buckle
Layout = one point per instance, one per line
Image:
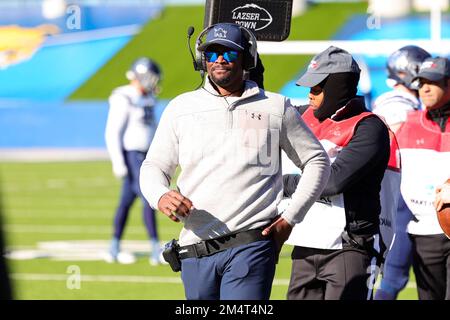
(202, 247)
(349, 239)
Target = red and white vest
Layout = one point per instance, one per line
(425, 154)
(325, 221)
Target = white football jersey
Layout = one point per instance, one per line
(131, 123)
(394, 105)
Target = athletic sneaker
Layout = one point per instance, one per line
(126, 257)
(122, 257)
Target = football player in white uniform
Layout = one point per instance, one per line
(129, 131)
(402, 66)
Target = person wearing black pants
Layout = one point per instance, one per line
(424, 141)
(431, 263)
(338, 242)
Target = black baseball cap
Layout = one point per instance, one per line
(332, 60)
(434, 69)
(226, 34)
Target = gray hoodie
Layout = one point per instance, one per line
(228, 150)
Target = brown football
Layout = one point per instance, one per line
(444, 219)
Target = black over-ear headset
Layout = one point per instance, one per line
(250, 49)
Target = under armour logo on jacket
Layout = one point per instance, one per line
(256, 116)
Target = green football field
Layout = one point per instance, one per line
(52, 210)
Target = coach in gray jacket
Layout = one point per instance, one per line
(227, 137)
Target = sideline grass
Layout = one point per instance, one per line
(164, 39)
(83, 196)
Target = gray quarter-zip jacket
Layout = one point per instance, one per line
(229, 155)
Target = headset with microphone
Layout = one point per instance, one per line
(190, 32)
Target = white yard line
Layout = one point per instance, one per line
(53, 154)
(77, 229)
(94, 278)
(58, 213)
(25, 215)
(111, 278)
(126, 278)
(72, 229)
(62, 183)
(69, 202)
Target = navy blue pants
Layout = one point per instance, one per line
(242, 273)
(399, 259)
(130, 191)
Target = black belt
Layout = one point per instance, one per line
(364, 243)
(209, 247)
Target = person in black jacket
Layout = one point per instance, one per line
(338, 241)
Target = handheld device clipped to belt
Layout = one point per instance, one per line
(171, 255)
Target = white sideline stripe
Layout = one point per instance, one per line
(125, 278)
(370, 47)
(92, 35)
